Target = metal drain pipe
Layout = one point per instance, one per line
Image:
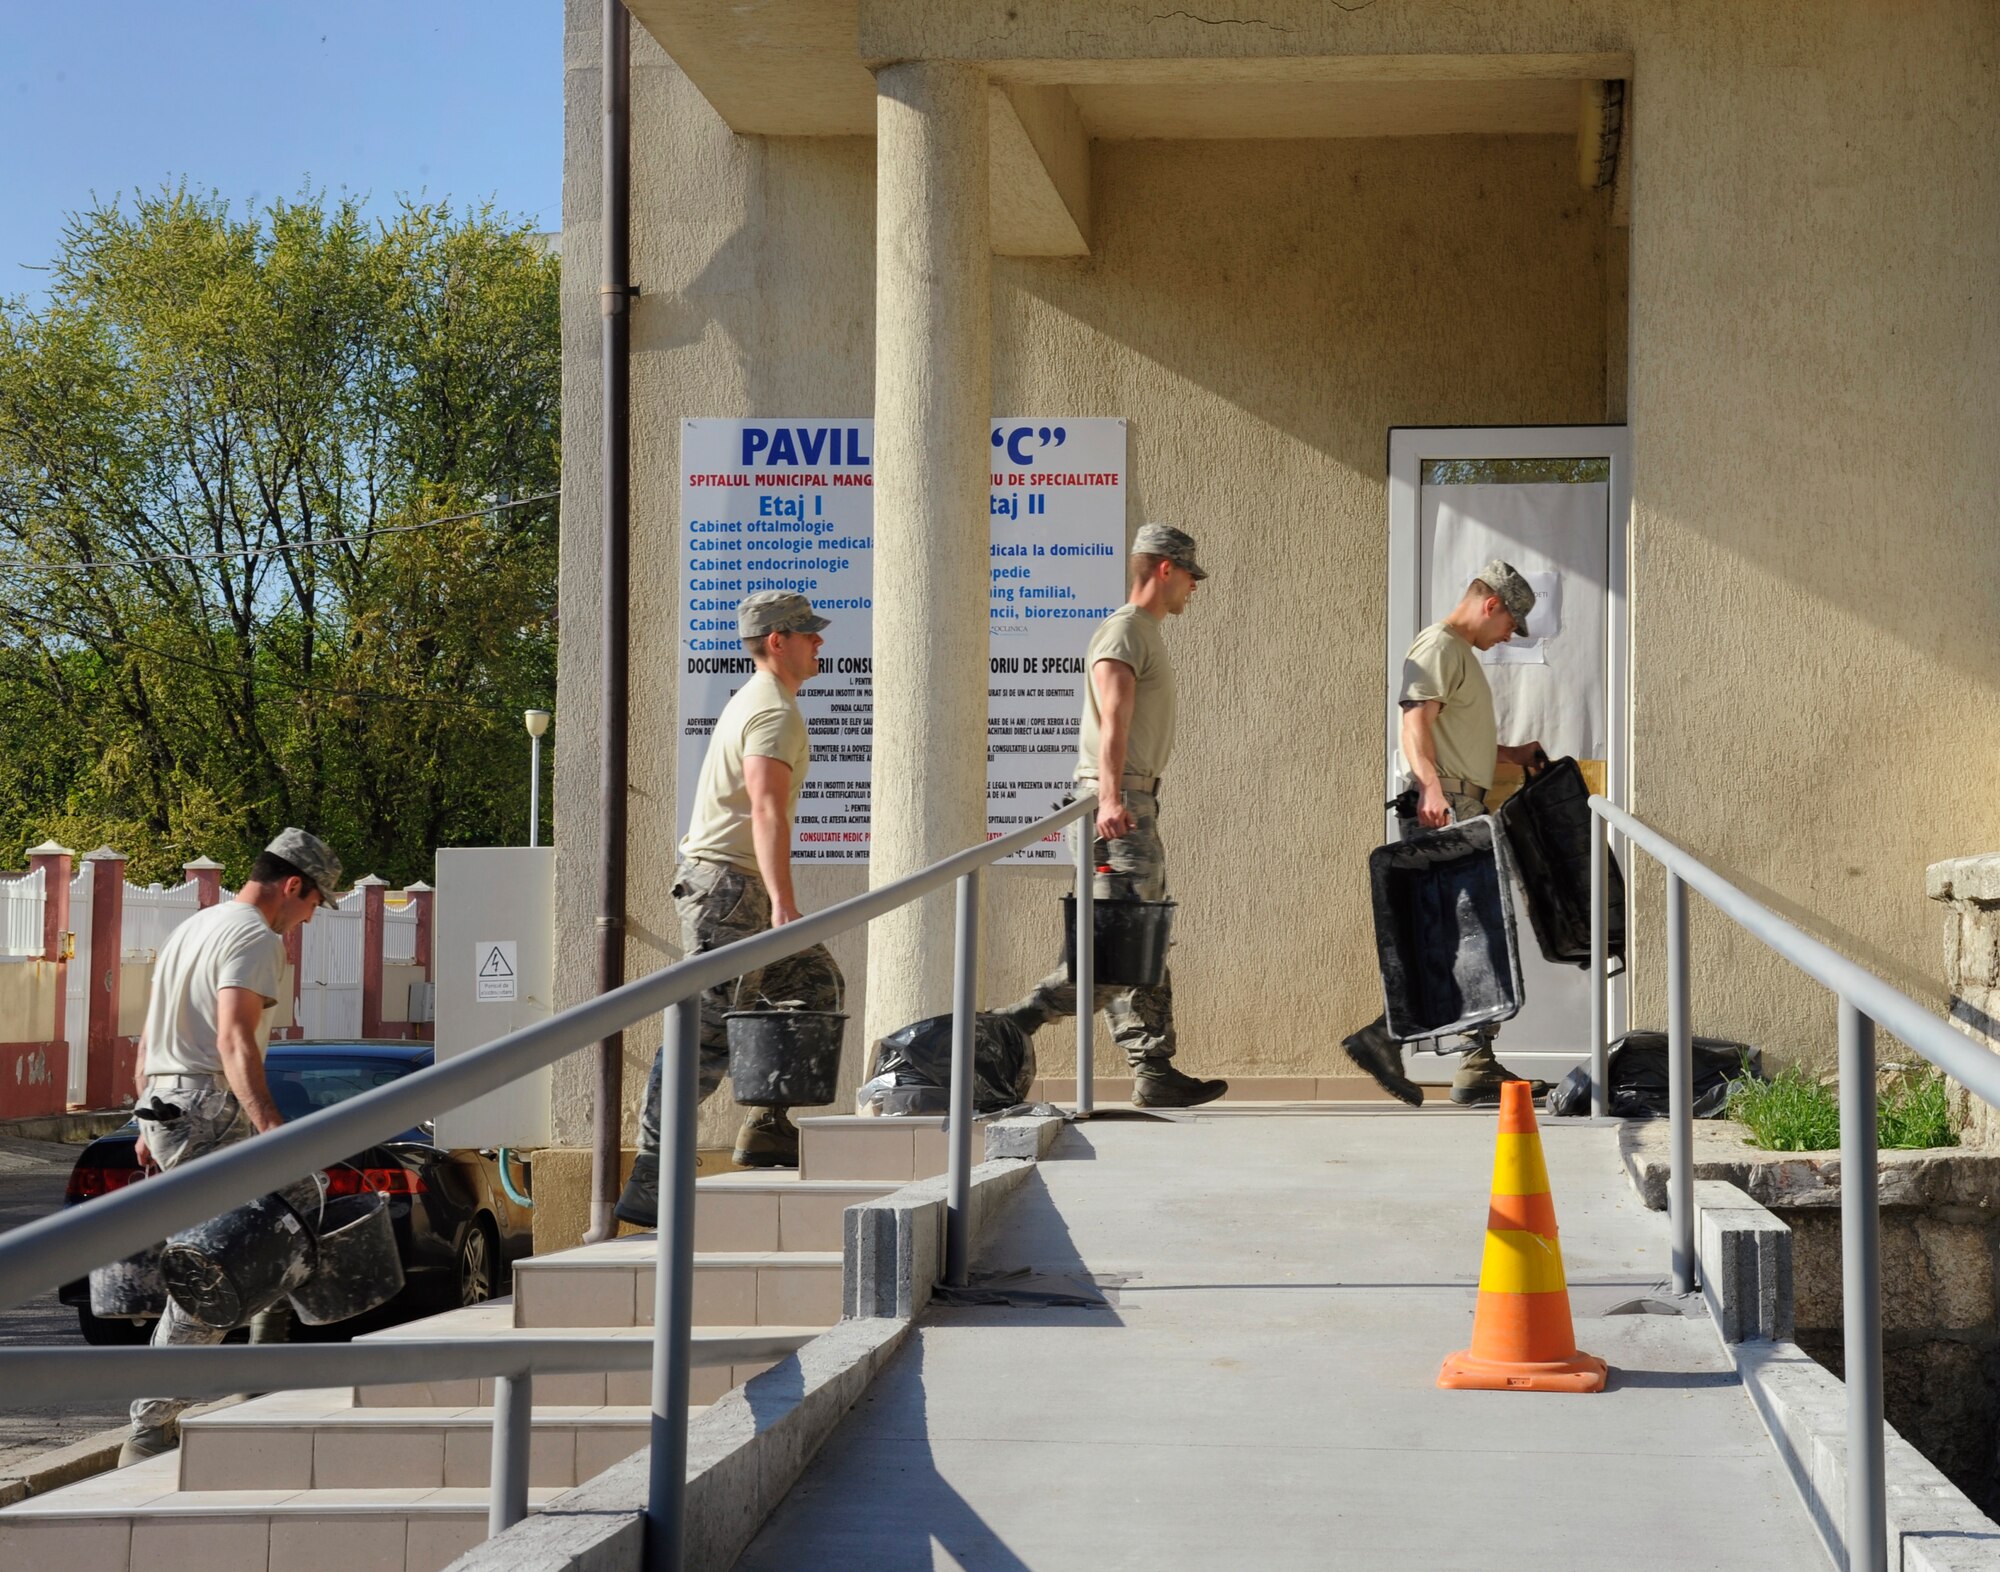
(614, 298)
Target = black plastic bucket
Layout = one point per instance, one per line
(1444, 930)
(784, 1058)
(359, 1265)
(1132, 941)
(225, 1270)
(129, 1290)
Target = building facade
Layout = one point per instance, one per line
(1762, 237)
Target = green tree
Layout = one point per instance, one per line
(225, 604)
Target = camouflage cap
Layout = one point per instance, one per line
(1163, 540)
(1505, 581)
(776, 611)
(312, 857)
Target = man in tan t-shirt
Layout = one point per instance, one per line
(735, 874)
(1123, 744)
(1450, 744)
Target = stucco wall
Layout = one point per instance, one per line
(1813, 388)
(1261, 313)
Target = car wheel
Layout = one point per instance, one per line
(478, 1264)
(103, 1332)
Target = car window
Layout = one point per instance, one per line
(305, 1086)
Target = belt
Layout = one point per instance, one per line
(1459, 787)
(197, 1077)
(1150, 784)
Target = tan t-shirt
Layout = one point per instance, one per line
(226, 946)
(1136, 638)
(761, 721)
(1441, 666)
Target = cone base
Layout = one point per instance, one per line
(1467, 1372)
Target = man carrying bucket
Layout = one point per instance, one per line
(735, 874)
(1126, 735)
(1450, 742)
(201, 1056)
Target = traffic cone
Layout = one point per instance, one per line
(1522, 1338)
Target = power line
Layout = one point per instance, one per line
(373, 695)
(280, 549)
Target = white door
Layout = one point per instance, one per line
(1553, 501)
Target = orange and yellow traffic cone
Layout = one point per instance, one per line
(1522, 1337)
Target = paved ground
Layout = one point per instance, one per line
(1262, 1392)
(32, 1176)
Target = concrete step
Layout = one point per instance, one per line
(611, 1284)
(859, 1146)
(138, 1520)
(1112, 1091)
(585, 1389)
(320, 1440)
(761, 1212)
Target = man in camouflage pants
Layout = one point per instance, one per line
(735, 875)
(1450, 743)
(1124, 739)
(201, 1062)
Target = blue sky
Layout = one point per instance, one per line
(253, 98)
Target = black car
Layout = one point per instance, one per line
(456, 1228)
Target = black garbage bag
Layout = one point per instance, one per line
(1003, 1059)
(1637, 1069)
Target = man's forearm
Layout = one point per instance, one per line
(771, 836)
(1111, 740)
(243, 1067)
(139, 1072)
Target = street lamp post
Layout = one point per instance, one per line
(537, 722)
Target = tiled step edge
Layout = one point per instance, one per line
(749, 1448)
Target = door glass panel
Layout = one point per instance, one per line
(1518, 471)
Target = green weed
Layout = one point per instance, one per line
(1794, 1112)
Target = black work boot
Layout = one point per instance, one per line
(1157, 1084)
(1481, 1075)
(1374, 1050)
(768, 1139)
(640, 1202)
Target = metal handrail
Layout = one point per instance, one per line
(1865, 1002)
(41, 1255)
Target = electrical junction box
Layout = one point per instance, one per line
(493, 971)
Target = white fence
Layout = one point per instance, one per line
(330, 969)
(151, 913)
(21, 902)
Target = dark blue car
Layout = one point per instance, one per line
(456, 1228)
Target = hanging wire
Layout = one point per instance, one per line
(18, 566)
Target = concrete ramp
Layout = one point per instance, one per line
(1259, 1390)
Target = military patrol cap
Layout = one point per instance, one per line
(1163, 540)
(776, 611)
(1502, 578)
(312, 857)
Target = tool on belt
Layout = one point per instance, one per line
(159, 1112)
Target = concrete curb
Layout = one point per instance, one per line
(1933, 1527)
(747, 1450)
(37, 1476)
(1745, 1257)
(77, 1128)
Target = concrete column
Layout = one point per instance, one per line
(205, 874)
(54, 861)
(102, 1086)
(933, 411)
(373, 931)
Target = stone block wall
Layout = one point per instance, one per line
(1969, 889)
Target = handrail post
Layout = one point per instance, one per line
(1085, 970)
(1680, 1088)
(673, 1287)
(513, 1421)
(1861, 1295)
(964, 1030)
(1600, 981)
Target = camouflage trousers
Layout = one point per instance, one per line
(210, 1119)
(718, 904)
(1142, 1019)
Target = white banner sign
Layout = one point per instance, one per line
(789, 504)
